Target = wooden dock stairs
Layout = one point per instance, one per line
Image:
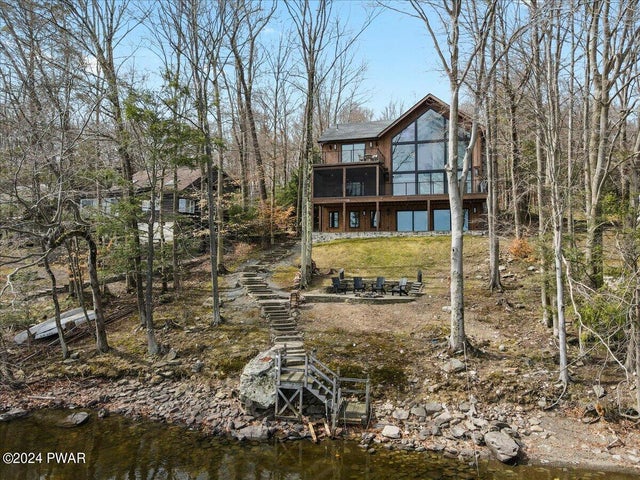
(302, 380)
(304, 385)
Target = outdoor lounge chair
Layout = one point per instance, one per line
(358, 284)
(338, 286)
(401, 288)
(379, 285)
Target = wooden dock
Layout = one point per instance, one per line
(303, 383)
(302, 379)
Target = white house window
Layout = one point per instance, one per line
(92, 203)
(88, 203)
(108, 203)
(186, 205)
(146, 205)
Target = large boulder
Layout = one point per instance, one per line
(257, 388)
(502, 445)
(74, 420)
(253, 432)
(13, 414)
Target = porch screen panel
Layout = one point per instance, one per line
(327, 183)
(361, 181)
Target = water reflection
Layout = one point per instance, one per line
(116, 448)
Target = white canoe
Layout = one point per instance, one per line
(48, 327)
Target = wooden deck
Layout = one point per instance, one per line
(301, 378)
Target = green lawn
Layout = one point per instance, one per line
(393, 257)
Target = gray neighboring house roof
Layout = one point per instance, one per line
(354, 131)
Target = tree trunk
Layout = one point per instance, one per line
(220, 179)
(152, 344)
(492, 177)
(101, 333)
(557, 255)
(175, 257)
(215, 317)
(458, 337)
(56, 305)
(305, 172)
(547, 318)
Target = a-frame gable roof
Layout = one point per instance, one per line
(428, 102)
(376, 129)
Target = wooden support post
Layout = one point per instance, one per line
(312, 431)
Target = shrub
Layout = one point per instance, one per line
(520, 248)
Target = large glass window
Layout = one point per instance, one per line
(431, 183)
(419, 155)
(431, 156)
(404, 184)
(407, 135)
(186, 205)
(442, 220)
(420, 221)
(431, 126)
(355, 189)
(353, 152)
(412, 220)
(404, 221)
(404, 158)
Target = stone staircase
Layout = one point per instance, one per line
(301, 379)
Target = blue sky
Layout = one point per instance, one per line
(402, 63)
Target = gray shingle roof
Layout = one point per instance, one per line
(354, 131)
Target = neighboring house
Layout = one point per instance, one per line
(390, 175)
(189, 187)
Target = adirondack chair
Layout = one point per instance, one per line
(401, 288)
(358, 285)
(338, 286)
(379, 285)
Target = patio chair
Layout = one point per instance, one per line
(379, 285)
(338, 286)
(401, 288)
(358, 285)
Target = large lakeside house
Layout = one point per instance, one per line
(389, 175)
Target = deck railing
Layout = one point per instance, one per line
(336, 156)
(321, 381)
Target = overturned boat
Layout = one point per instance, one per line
(68, 320)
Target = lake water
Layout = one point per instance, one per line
(117, 448)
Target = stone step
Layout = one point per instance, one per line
(289, 345)
(278, 316)
(282, 325)
(282, 321)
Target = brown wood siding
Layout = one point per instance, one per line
(386, 203)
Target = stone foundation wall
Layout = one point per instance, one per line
(320, 237)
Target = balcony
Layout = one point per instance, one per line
(434, 187)
(333, 157)
(348, 181)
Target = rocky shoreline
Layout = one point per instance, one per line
(464, 431)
